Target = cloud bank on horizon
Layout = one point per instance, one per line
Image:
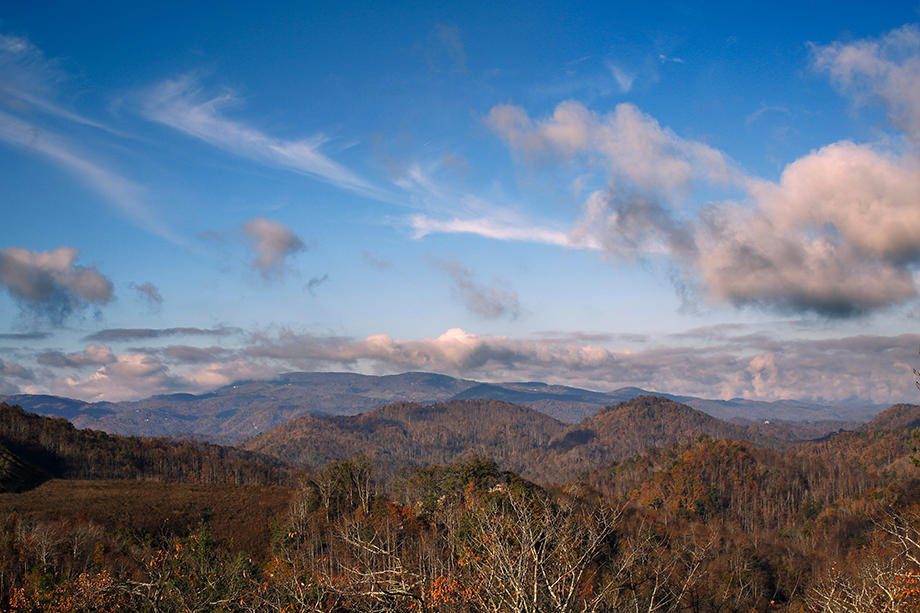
(460, 210)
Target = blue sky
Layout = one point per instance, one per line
(717, 200)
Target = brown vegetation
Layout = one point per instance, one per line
(701, 524)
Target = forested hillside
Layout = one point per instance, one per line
(697, 523)
(35, 448)
(519, 439)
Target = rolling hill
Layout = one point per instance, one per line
(518, 438)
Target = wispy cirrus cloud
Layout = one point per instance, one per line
(183, 105)
(422, 225)
(28, 80)
(123, 195)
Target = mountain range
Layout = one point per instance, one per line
(246, 408)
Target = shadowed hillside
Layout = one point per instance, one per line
(34, 448)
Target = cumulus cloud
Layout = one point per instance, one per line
(488, 302)
(837, 235)
(49, 284)
(638, 151)
(136, 375)
(92, 355)
(131, 375)
(272, 242)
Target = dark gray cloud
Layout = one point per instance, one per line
(272, 242)
(49, 285)
(24, 336)
(134, 334)
(488, 302)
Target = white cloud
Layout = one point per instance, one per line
(181, 104)
(423, 225)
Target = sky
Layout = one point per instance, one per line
(718, 200)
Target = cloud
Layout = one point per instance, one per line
(376, 261)
(49, 284)
(181, 104)
(639, 154)
(138, 375)
(16, 371)
(195, 355)
(122, 194)
(28, 79)
(448, 40)
(870, 368)
(422, 225)
(738, 360)
(623, 78)
(149, 293)
(130, 376)
(24, 336)
(315, 282)
(134, 334)
(272, 243)
(488, 302)
(92, 355)
(885, 69)
(837, 235)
